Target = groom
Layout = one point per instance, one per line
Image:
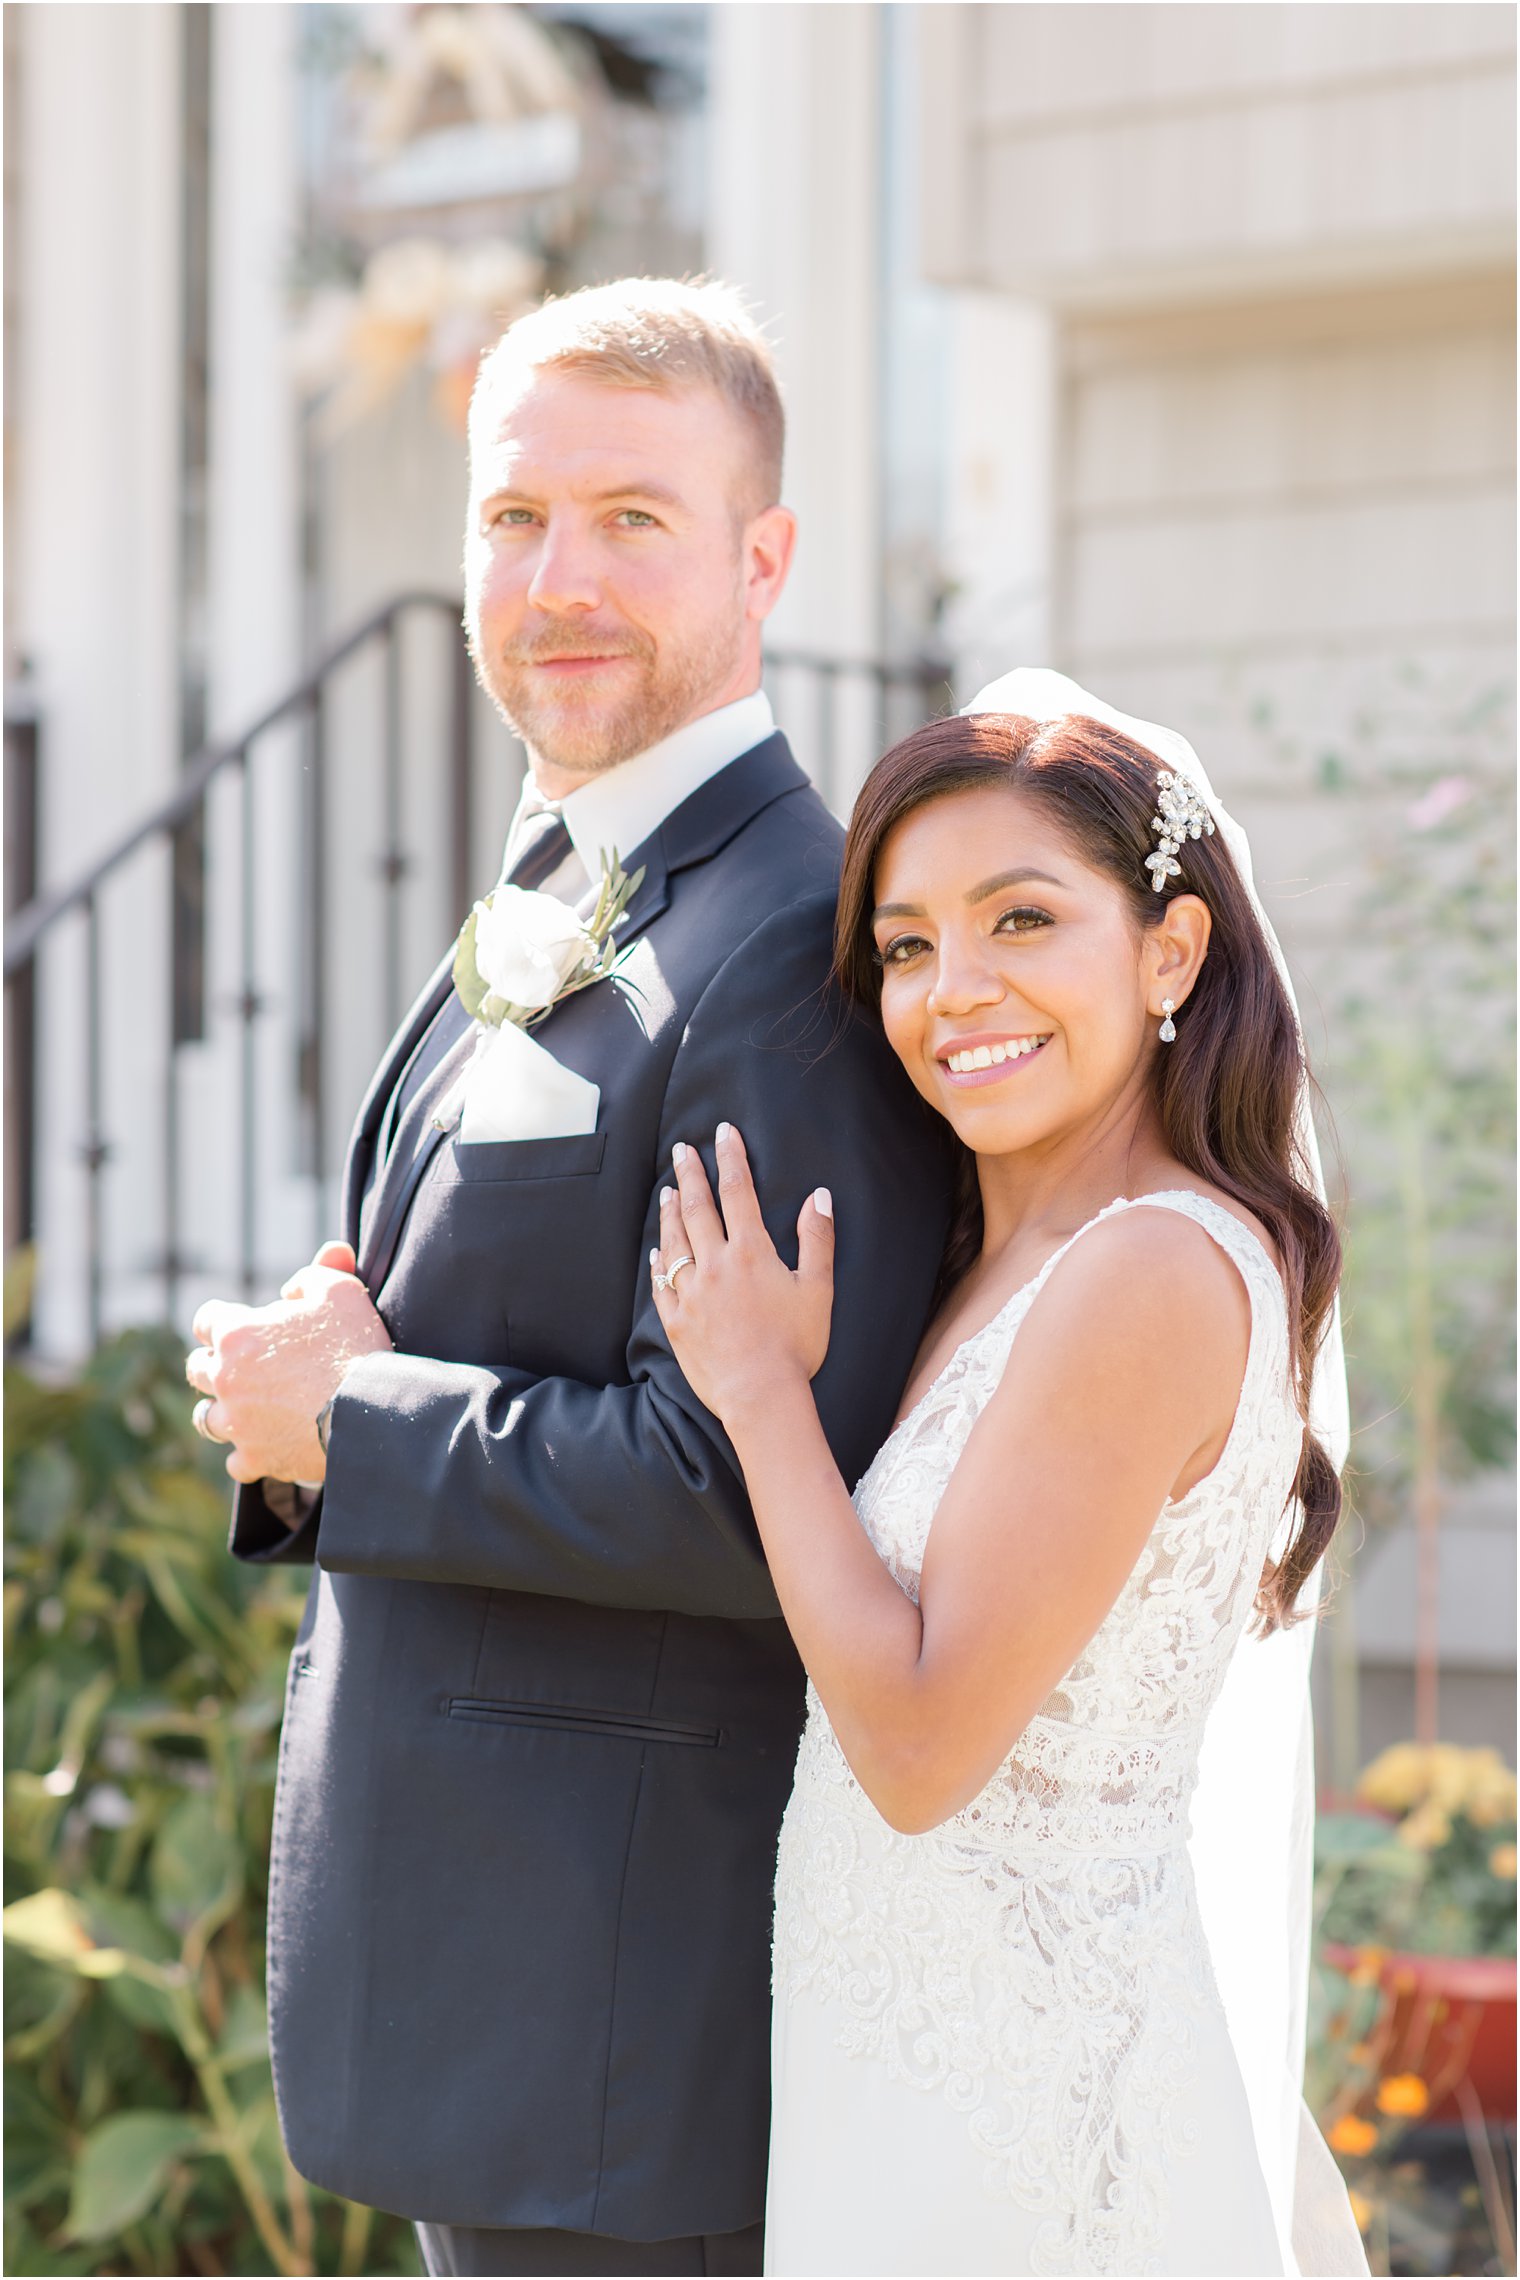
(542, 1710)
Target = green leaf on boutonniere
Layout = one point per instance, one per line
(467, 980)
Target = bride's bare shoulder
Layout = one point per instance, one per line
(1248, 1219)
(1152, 1277)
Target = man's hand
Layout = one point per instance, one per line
(269, 1370)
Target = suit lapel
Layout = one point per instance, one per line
(653, 892)
(380, 1252)
(382, 1088)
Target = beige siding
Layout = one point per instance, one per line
(1045, 60)
(1225, 494)
(1102, 154)
(1277, 524)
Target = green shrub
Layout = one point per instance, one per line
(144, 1680)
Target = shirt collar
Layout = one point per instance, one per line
(625, 806)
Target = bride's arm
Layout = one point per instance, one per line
(1121, 1398)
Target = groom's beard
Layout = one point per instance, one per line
(590, 729)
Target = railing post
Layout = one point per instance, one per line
(461, 786)
(933, 677)
(393, 861)
(312, 1074)
(171, 1184)
(21, 753)
(825, 711)
(95, 1151)
(250, 1005)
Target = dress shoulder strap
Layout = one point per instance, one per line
(1245, 1249)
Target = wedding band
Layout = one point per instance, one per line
(198, 1416)
(675, 1268)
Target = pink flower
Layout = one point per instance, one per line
(1444, 797)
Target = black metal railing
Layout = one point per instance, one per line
(20, 988)
(841, 713)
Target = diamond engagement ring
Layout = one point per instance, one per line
(668, 1281)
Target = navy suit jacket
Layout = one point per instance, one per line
(542, 1712)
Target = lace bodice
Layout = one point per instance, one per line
(1034, 1956)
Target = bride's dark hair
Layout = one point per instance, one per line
(1227, 1091)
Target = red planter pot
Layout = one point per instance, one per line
(1448, 2019)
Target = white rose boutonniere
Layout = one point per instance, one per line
(520, 952)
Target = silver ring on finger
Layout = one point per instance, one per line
(198, 1416)
(686, 1260)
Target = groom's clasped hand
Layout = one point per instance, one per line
(266, 1371)
(740, 1321)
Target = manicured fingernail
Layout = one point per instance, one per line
(654, 1257)
(667, 1195)
(678, 1154)
(823, 1203)
(724, 1132)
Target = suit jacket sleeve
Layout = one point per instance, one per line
(629, 1494)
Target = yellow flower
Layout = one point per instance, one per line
(1361, 2209)
(1402, 2094)
(1450, 1775)
(1427, 1828)
(1397, 1779)
(1368, 1967)
(1501, 1862)
(1352, 2135)
(1491, 1792)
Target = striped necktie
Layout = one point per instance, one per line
(536, 862)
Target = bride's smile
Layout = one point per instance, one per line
(983, 1060)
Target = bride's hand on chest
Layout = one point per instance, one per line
(744, 1326)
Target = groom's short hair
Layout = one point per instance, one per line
(653, 332)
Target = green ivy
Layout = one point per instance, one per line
(144, 1680)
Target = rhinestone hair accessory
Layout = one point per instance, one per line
(1183, 816)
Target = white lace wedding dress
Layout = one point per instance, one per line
(999, 2046)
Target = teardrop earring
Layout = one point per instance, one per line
(1168, 1026)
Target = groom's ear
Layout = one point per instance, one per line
(769, 542)
(1176, 947)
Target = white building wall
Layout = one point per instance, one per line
(96, 556)
(1001, 494)
(95, 588)
(794, 220)
(254, 650)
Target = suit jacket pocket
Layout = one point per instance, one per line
(576, 1155)
(566, 1718)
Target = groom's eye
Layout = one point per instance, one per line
(636, 518)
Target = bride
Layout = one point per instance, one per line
(1000, 2044)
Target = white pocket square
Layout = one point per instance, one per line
(513, 1089)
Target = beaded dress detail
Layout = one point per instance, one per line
(1037, 1961)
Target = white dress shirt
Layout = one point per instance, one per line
(621, 807)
